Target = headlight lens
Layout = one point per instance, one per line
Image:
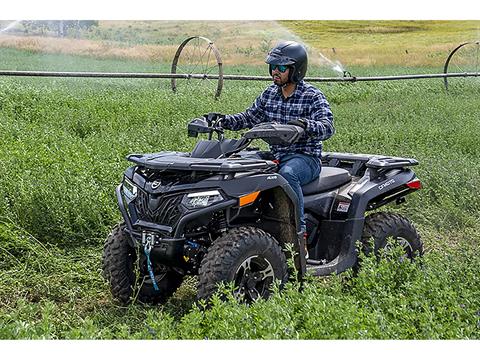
(201, 199)
(129, 190)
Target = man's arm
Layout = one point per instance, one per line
(320, 123)
(254, 115)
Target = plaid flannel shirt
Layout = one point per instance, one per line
(306, 103)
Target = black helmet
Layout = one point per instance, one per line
(289, 53)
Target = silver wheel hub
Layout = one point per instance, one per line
(253, 278)
(389, 246)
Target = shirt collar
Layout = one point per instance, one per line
(299, 89)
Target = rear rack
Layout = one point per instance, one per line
(356, 164)
(387, 162)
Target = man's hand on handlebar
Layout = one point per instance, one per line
(214, 119)
(299, 122)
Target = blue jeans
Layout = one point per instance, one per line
(298, 170)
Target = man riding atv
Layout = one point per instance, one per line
(228, 213)
(290, 100)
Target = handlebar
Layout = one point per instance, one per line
(271, 133)
(203, 126)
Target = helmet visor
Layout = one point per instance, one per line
(278, 59)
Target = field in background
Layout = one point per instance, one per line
(378, 43)
(62, 152)
(240, 42)
(352, 43)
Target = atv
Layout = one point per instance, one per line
(223, 213)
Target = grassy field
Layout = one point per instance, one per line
(374, 43)
(365, 43)
(62, 151)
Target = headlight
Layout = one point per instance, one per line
(201, 199)
(129, 189)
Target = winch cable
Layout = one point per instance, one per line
(147, 248)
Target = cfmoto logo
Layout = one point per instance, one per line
(385, 184)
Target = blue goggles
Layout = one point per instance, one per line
(281, 68)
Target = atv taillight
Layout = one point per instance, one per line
(415, 184)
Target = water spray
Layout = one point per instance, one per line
(10, 26)
(335, 65)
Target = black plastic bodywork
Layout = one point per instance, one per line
(275, 134)
(341, 212)
(233, 178)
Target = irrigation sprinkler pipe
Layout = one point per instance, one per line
(355, 78)
(225, 77)
(394, 77)
(98, 74)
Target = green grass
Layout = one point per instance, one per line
(62, 152)
(392, 42)
(14, 59)
(425, 31)
(51, 293)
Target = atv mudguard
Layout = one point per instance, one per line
(362, 194)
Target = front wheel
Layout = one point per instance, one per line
(249, 258)
(388, 230)
(119, 260)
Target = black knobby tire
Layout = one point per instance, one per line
(118, 263)
(388, 229)
(119, 260)
(247, 256)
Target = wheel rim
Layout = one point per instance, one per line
(253, 279)
(198, 55)
(465, 58)
(404, 243)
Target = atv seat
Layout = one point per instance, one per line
(330, 177)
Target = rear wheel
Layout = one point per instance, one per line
(249, 258)
(119, 260)
(388, 230)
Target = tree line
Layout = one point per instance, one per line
(60, 28)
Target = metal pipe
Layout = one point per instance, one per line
(397, 77)
(355, 79)
(96, 74)
(225, 77)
